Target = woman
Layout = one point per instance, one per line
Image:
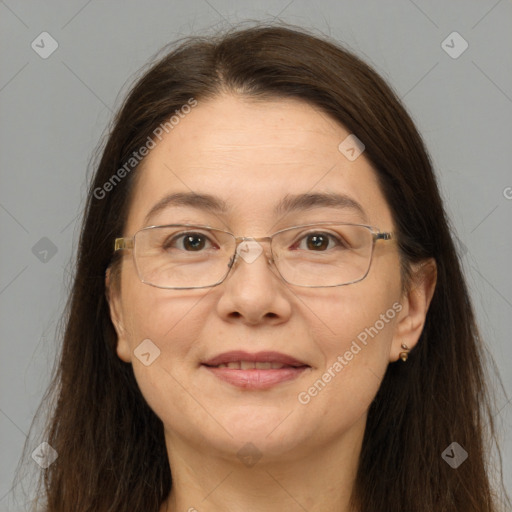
(268, 310)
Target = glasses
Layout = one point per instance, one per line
(187, 256)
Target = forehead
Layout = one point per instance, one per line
(251, 154)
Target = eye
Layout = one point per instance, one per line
(190, 242)
(318, 242)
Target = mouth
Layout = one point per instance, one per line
(254, 365)
(260, 370)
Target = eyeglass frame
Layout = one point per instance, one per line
(128, 243)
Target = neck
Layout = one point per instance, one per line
(313, 478)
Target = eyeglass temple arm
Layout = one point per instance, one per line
(123, 243)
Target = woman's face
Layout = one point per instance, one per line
(251, 155)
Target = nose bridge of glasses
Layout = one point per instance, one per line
(250, 248)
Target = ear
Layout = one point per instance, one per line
(415, 303)
(113, 295)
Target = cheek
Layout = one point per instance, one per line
(164, 327)
(164, 316)
(165, 324)
(361, 312)
(354, 330)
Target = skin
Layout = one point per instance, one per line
(251, 154)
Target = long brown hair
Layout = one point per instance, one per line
(110, 444)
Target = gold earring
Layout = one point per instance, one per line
(404, 355)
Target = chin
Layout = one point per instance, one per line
(273, 431)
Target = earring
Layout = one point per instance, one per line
(404, 355)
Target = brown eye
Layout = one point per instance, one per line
(188, 242)
(317, 241)
(194, 242)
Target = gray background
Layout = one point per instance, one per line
(54, 111)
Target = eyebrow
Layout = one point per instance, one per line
(289, 203)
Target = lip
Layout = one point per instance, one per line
(255, 378)
(263, 357)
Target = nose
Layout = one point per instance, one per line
(253, 291)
